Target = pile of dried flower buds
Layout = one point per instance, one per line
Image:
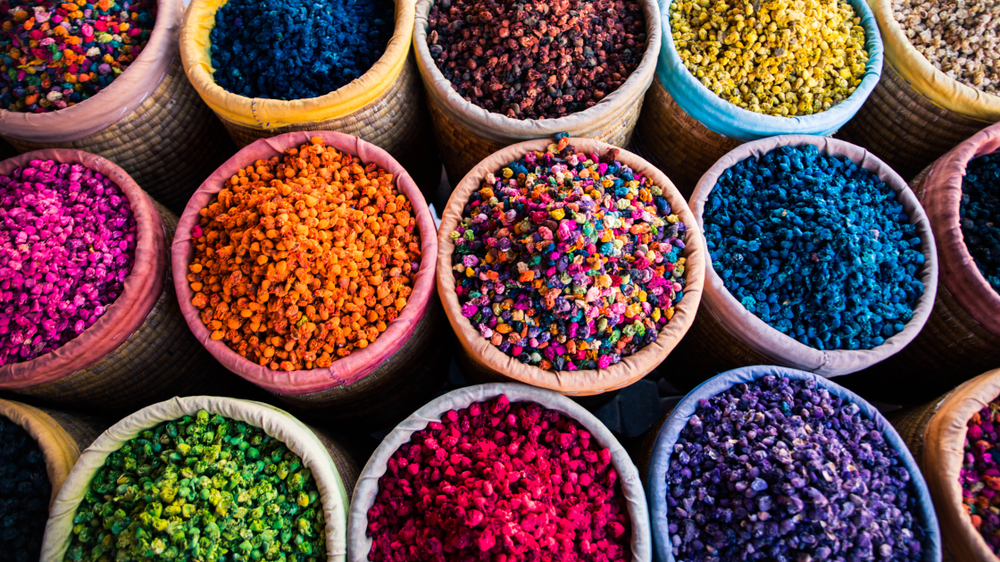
(304, 258)
(67, 244)
(500, 482)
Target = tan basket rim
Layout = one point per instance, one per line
(120, 98)
(924, 77)
(141, 290)
(944, 449)
(503, 129)
(58, 448)
(344, 370)
(582, 382)
(942, 197)
(265, 113)
(769, 342)
(366, 490)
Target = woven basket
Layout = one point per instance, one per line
(467, 133)
(669, 433)
(725, 335)
(368, 484)
(481, 361)
(384, 107)
(962, 336)
(298, 437)
(379, 384)
(916, 113)
(166, 138)
(675, 142)
(935, 433)
(156, 357)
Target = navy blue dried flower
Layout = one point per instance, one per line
(980, 211)
(24, 494)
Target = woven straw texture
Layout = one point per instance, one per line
(161, 359)
(462, 148)
(725, 335)
(675, 142)
(400, 384)
(396, 121)
(467, 134)
(482, 361)
(905, 129)
(83, 428)
(169, 144)
(346, 465)
(935, 433)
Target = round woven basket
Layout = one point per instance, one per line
(962, 336)
(379, 384)
(321, 455)
(368, 484)
(481, 361)
(467, 133)
(916, 113)
(139, 351)
(935, 433)
(670, 431)
(385, 106)
(149, 121)
(726, 335)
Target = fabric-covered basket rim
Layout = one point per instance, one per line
(360, 362)
(368, 483)
(277, 423)
(506, 130)
(120, 98)
(141, 289)
(727, 119)
(582, 382)
(925, 78)
(768, 341)
(57, 446)
(942, 197)
(682, 412)
(266, 113)
(944, 443)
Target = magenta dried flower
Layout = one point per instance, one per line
(500, 482)
(67, 243)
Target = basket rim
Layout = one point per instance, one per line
(581, 382)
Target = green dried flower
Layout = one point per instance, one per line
(203, 488)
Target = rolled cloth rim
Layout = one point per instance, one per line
(141, 290)
(361, 362)
(727, 119)
(670, 431)
(942, 197)
(925, 78)
(588, 381)
(500, 128)
(120, 98)
(944, 450)
(267, 113)
(58, 448)
(769, 342)
(275, 422)
(366, 490)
